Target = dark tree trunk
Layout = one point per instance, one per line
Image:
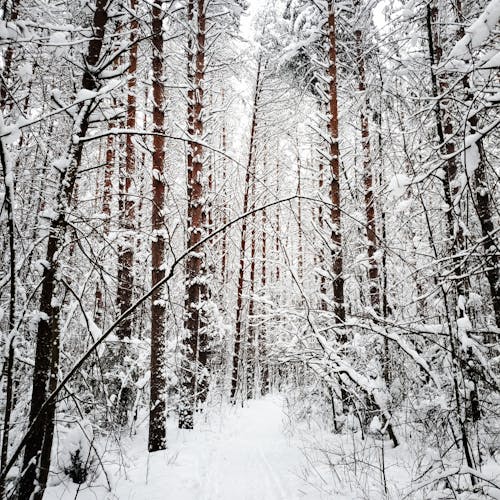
(8, 369)
(47, 345)
(7, 59)
(157, 439)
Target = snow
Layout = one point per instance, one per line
(479, 31)
(58, 38)
(471, 156)
(398, 185)
(25, 72)
(237, 453)
(375, 425)
(493, 61)
(85, 95)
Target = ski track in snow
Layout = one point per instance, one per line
(245, 455)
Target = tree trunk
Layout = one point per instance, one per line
(300, 248)
(7, 59)
(196, 342)
(8, 369)
(241, 270)
(321, 224)
(334, 159)
(47, 335)
(251, 351)
(371, 230)
(278, 225)
(451, 188)
(483, 202)
(445, 133)
(127, 223)
(262, 339)
(224, 258)
(157, 439)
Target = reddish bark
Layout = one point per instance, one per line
(251, 353)
(445, 132)
(196, 342)
(157, 432)
(371, 229)
(243, 234)
(126, 257)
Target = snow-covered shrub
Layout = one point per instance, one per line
(77, 456)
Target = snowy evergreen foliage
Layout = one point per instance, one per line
(250, 249)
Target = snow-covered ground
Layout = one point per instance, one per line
(235, 454)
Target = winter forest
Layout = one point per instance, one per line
(250, 249)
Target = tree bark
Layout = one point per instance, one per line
(47, 343)
(8, 58)
(251, 351)
(127, 223)
(444, 128)
(371, 229)
(483, 202)
(9, 361)
(157, 439)
(334, 159)
(241, 271)
(194, 384)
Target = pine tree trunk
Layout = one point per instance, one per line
(196, 342)
(451, 188)
(445, 133)
(251, 352)
(127, 222)
(224, 256)
(334, 158)
(483, 201)
(157, 439)
(371, 229)
(241, 271)
(262, 338)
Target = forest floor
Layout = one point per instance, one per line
(235, 453)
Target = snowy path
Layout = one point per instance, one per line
(243, 455)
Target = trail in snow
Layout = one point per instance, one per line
(242, 454)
